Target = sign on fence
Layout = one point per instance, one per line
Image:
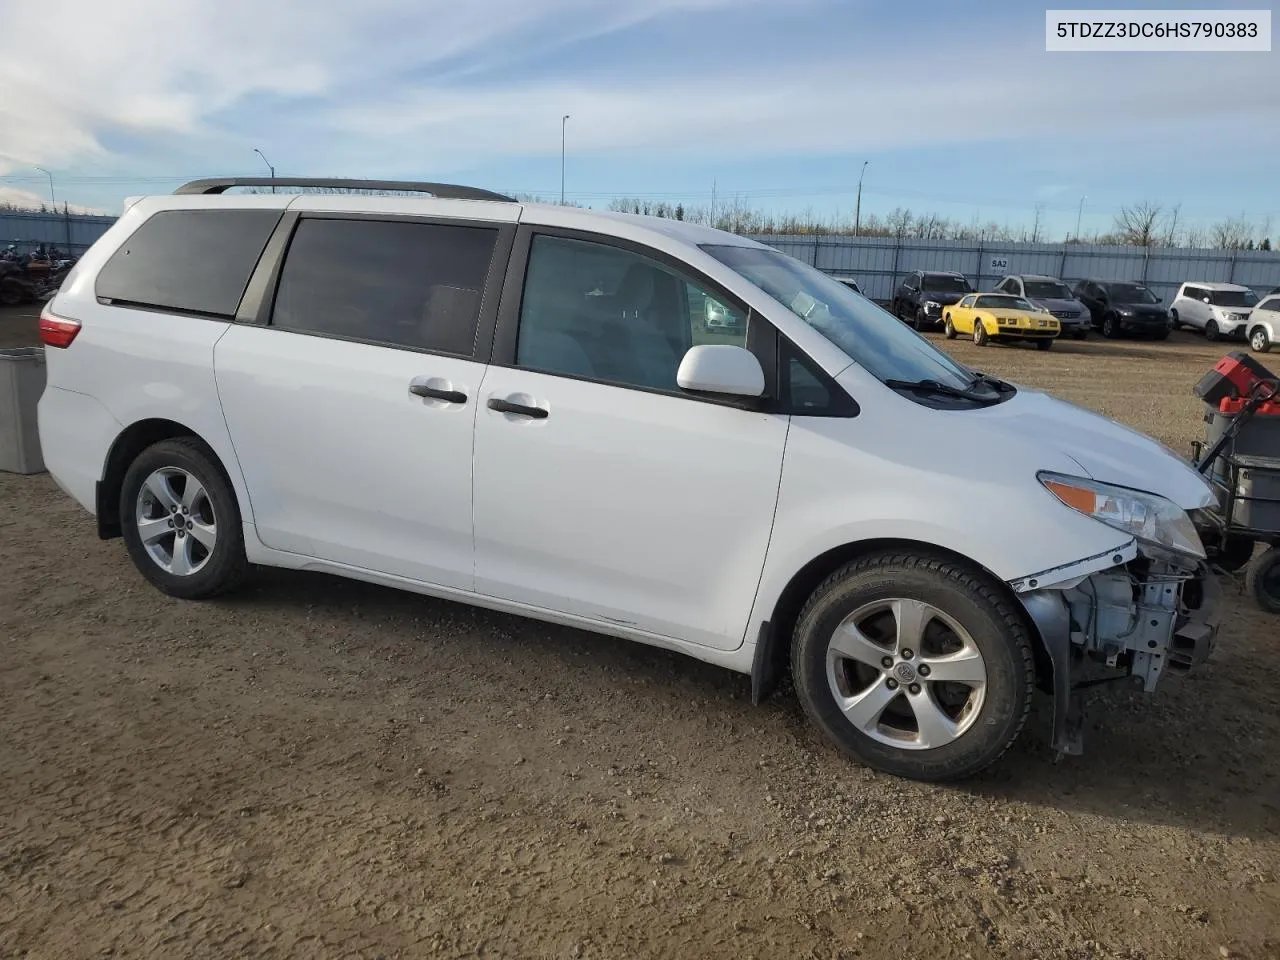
(999, 263)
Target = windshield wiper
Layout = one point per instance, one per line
(938, 389)
(996, 384)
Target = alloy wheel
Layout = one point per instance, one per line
(175, 521)
(906, 674)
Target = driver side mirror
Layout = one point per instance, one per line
(721, 368)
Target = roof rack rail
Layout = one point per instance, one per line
(448, 191)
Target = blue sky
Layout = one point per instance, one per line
(958, 108)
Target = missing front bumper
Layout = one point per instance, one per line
(1140, 618)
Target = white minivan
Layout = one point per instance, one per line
(526, 408)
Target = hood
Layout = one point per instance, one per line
(945, 299)
(1062, 306)
(1106, 451)
(1142, 309)
(1012, 314)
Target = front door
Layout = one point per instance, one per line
(352, 410)
(601, 490)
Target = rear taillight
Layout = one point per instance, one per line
(57, 331)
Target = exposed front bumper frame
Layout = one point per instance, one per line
(1138, 623)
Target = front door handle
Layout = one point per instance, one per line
(506, 406)
(448, 396)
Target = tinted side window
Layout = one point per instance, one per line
(398, 282)
(595, 311)
(1194, 293)
(194, 261)
(1272, 304)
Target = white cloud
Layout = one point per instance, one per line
(28, 200)
(394, 86)
(167, 66)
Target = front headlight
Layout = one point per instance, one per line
(932, 305)
(1148, 517)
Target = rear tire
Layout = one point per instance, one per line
(1173, 320)
(870, 693)
(180, 520)
(1262, 579)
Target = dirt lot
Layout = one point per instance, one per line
(318, 768)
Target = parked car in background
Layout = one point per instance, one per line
(1117, 307)
(922, 294)
(849, 282)
(1264, 323)
(1219, 309)
(514, 406)
(1055, 296)
(1000, 318)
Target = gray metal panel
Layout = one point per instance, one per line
(879, 263)
(73, 231)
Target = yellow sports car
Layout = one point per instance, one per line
(1002, 318)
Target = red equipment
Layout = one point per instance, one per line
(1236, 378)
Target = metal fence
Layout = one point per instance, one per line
(74, 232)
(879, 263)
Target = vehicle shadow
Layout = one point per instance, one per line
(1191, 755)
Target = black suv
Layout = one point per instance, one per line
(922, 294)
(1124, 306)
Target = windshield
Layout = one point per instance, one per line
(1047, 290)
(1233, 298)
(945, 283)
(868, 335)
(998, 302)
(1131, 293)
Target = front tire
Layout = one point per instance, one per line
(181, 522)
(1211, 330)
(1259, 342)
(914, 664)
(980, 335)
(948, 329)
(1110, 328)
(1044, 344)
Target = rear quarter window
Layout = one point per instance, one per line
(189, 261)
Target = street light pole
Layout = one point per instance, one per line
(269, 166)
(563, 121)
(52, 198)
(857, 210)
(1079, 212)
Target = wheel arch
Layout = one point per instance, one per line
(130, 442)
(773, 644)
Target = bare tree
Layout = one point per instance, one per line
(1035, 226)
(1138, 225)
(1171, 226)
(899, 222)
(1233, 233)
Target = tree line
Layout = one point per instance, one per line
(1144, 224)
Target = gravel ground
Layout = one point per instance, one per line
(321, 768)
